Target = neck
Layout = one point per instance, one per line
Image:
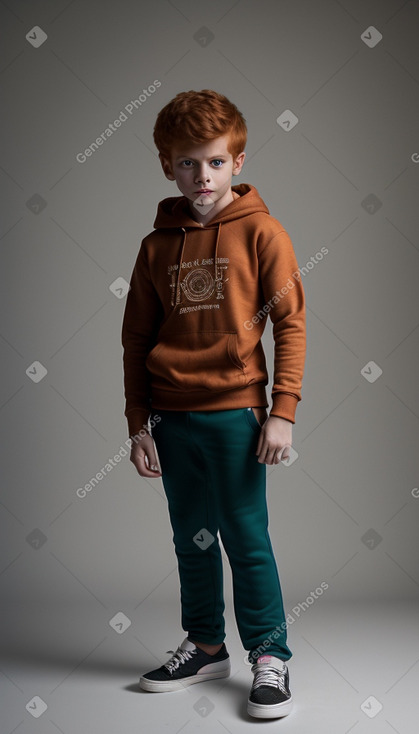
(204, 218)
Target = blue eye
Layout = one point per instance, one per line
(215, 161)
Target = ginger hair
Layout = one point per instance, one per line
(199, 117)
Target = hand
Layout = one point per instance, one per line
(143, 456)
(275, 439)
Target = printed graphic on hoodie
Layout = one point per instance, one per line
(200, 283)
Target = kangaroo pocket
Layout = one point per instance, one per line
(204, 360)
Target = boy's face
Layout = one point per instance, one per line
(203, 174)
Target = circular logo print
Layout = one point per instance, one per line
(198, 285)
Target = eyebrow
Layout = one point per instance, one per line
(210, 158)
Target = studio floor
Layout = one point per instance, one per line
(355, 668)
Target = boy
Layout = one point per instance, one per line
(202, 286)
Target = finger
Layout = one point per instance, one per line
(268, 456)
(278, 455)
(151, 459)
(284, 453)
(144, 468)
(273, 455)
(263, 449)
(270, 459)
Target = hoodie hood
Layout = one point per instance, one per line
(174, 213)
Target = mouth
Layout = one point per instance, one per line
(204, 191)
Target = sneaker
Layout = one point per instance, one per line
(188, 665)
(270, 695)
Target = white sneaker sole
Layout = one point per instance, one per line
(208, 672)
(269, 711)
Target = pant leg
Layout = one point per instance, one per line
(192, 508)
(229, 441)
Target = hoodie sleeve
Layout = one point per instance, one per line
(284, 300)
(140, 325)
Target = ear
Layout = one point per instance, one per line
(167, 167)
(238, 163)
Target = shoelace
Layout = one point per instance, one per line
(178, 658)
(267, 676)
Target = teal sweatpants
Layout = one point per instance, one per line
(214, 485)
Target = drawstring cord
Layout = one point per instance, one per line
(177, 288)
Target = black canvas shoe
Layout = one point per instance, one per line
(188, 665)
(270, 695)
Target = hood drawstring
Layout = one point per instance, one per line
(215, 255)
(176, 298)
(177, 293)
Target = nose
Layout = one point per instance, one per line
(202, 175)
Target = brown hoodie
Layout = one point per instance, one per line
(197, 307)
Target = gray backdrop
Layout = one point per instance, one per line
(344, 177)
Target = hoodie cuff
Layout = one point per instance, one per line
(284, 406)
(137, 421)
